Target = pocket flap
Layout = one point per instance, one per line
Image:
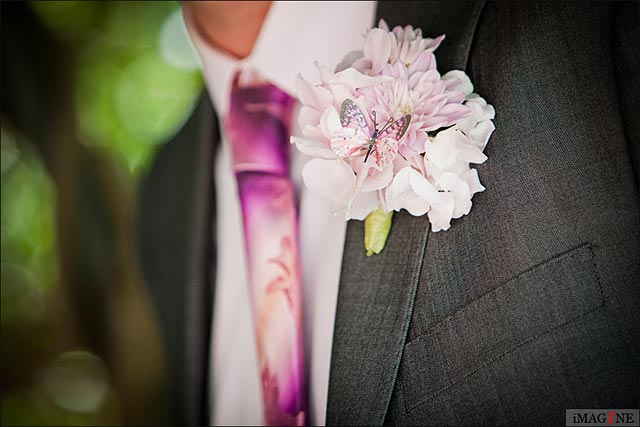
(531, 304)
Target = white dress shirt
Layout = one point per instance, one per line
(293, 36)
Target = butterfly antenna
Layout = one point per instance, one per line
(374, 119)
(386, 125)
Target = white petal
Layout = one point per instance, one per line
(313, 132)
(460, 191)
(467, 124)
(401, 195)
(468, 152)
(313, 148)
(308, 116)
(481, 132)
(473, 181)
(356, 79)
(466, 86)
(488, 112)
(440, 216)
(425, 189)
(377, 180)
(364, 204)
(442, 151)
(330, 122)
(333, 179)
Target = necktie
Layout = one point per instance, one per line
(258, 128)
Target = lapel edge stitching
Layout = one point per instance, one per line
(407, 321)
(477, 11)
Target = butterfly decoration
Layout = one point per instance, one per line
(356, 138)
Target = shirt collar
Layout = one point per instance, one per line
(294, 35)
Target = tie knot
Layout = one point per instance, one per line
(257, 125)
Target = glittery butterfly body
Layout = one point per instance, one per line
(355, 138)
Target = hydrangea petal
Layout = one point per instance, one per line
(401, 194)
(465, 82)
(377, 179)
(363, 205)
(330, 122)
(442, 150)
(480, 134)
(313, 148)
(333, 179)
(460, 191)
(440, 216)
(308, 116)
(473, 181)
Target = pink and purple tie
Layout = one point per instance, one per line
(258, 128)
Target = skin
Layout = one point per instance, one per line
(230, 26)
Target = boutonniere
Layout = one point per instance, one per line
(388, 132)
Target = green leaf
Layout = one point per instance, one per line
(376, 230)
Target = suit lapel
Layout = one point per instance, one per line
(177, 250)
(376, 295)
(374, 307)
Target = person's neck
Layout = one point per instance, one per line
(230, 26)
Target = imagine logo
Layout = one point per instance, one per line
(602, 417)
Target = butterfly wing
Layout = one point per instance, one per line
(355, 133)
(352, 117)
(348, 142)
(387, 143)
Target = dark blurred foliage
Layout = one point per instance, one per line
(89, 91)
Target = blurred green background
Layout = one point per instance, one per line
(89, 91)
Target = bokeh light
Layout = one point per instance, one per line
(135, 81)
(29, 270)
(137, 74)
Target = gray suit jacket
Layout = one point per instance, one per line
(524, 308)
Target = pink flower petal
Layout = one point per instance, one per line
(426, 61)
(377, 48)
(356, 79)
(433, 44)
(314, 96)
(455, 110)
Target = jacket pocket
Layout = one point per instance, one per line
(534, 303)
